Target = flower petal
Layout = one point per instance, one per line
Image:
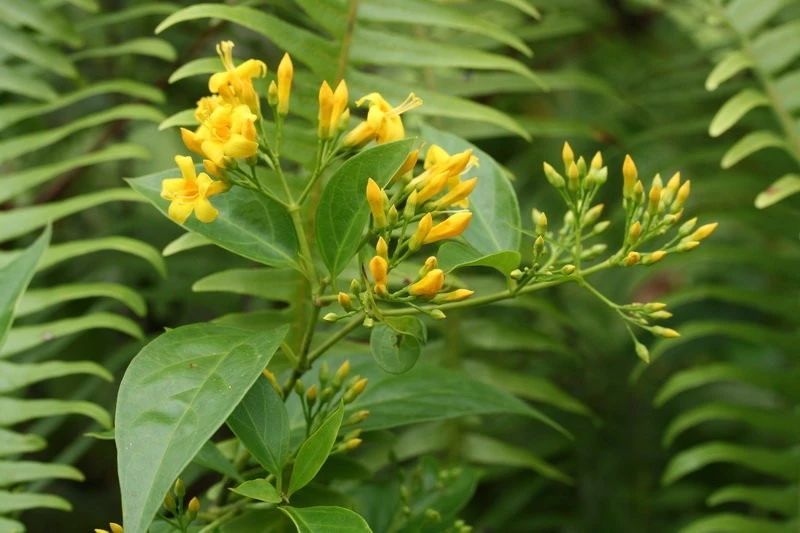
(186, 165)
(204, 211)
(215, 151)
(180, 211)
(171, 187)
(240, 147)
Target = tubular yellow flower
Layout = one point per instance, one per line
(435, 184)
(235, 85)
(436, 154)
(285, 75)
(379, 268)
(205, 106)
(339, 105)
(430, 284)
(228, 132)
(376, 203)
(455, 296)
(325, 106)
(453, 226)
(190, 193)
(457, 194)
(424, 227)
(383, 122)
(630, 174)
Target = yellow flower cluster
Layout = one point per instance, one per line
(383, 122)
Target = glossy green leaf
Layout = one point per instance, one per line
(22, 45)
(175, 394)
(14, 472)
(748, 15)
(325, 519)
(14, 279)
(258, 489)
(314, 451)
(776, 499)
(261, 422)
(13, 184)
(700, 375)
(27, 143)
(15, 376)
(396, 343)
(787, 88)
(454, 255)
(183, 118)
(427, 393)
(750, 144)
(11, 526)
(496, 224)
(21, 501)
(26, 337)
(734, 109)
(59, 253)
(486, 450)
(142, 46)
(268, 283)
(249, 224)
(775, 48)
(343, 212)
(780, 189)
(731, 65)
(14, 411)
(12, 443)
(39, 299)
(196, 67)
(187, 241)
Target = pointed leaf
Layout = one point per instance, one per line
(326, 519)
(782, 188)
(315, 450)
(259, 489)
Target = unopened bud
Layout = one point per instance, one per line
(592, 214)
(411, 205)
(567, 155)
(299, 388)
(169, 503)
(630, 177)
(594, 251)
(642, 352)
(311, 394)
(638, 192)
(345, 301)
(193, 508)
(581, 164)
(671, 189)
(554, 178)
(351, 444)
(538, 246)
(430, 264)
(567, 269)
(433, 515)
(653, 257)
(437, 314)
(324, 373)
(516, 274)
(655, 306)
(392, 215)
(355, 286)
(687, 227)
(635, 232)
(381, 248)
(368, 322)
(655, 195)
(331, 317)
(341, 374)
(179, 488)
(631, 259)
(687, 245)
(661, 315)
(355, 390)
(600, 227)
(272, 94)
(597, 161)
(667, 333)
(573, 174)
(682, 195)
(703, 232)
(357, 417)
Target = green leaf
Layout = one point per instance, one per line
(20, 221)
(126, 14)
(731, 65)
(21, 501)
(780, 189)
(26, 337)
(343, 212)
(17, 82)
(427, 393)
(195, 67)
(496, 224)
(175, 394)
(143, 46)
(314, 451)
(12, 185)
(324, 519)
(14, 279)
(699, 375)
(24, 144)
(778, 463)
(15, 472)
(21, 44)
(183, 118)
(187, 241)
(261, 422)
(14, 411)
(16, 376)
(775, 48)
(267, 283)
(454, 255)
(776, 499)
(59, 253)
(258, 489)
(486, 450)
(12, 443)
(36, 16)
(734, 523)
(750, 144)
(210, 457)
(39, 299)
(746, 16)
(734, 109)
(397, 342)
(249, 224)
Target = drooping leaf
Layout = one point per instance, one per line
(396, 343)
(734, 109)
(38, 299)
(782, 188)
(18, 375)
(455, 255)
(175, 394)
(249, 224)
(343, 212)
(15, 472)
(314, 451)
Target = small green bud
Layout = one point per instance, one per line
(600, 227)
(355, 286)
(437, 314)
(642, 352)
(567, 269)
(193, 508)
(179, 488)
(516, 274)
(169, 503)
(592, 215)
(538, 246)
(272, 94)
(299, 388)
(554, 178)
(331, 317)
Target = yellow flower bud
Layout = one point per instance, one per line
(354, 391)
(285, 75)
(341, 373)
(357, 417)
(429, 285)
(573, 174)
(454, 296)
(671, 188)
(682, 195)
(655, 195)
(457, 193)
(433, 187)
(179, 488)
(345, 301)
(325, 106)
(451, 227)
(116, 528)
(638, 191)
(375, 200)
(687, 245)
(630, 175)
(424, 227)
(379, 268)
(408, 165)
(667, 333)
(567, 155)
(597, 161)
(392, 214)
(351, 444)
(653, 257)
(554, 178)
(100, 530)
(193, 507)
(661, 315)
(411, 205)
(430, 264)
(687, 226)
(338, 108)
(568, 269)
(703, 231)
(311, 393)
(635, 232)
(539, 221)
(632, 258)
(382, 249)
(592, 214)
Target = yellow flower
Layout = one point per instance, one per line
(383, 122)
(229, 131)
(457, 194)
(376, 203)
(379, 268)
(430, 284)
(190, 193)
(235, 85)
(453, 226)
(285, 75)
(443, 169)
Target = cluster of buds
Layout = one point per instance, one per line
(321, 397)
(407, 214)
(421, 484)
(181, 513)
(232, 139)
